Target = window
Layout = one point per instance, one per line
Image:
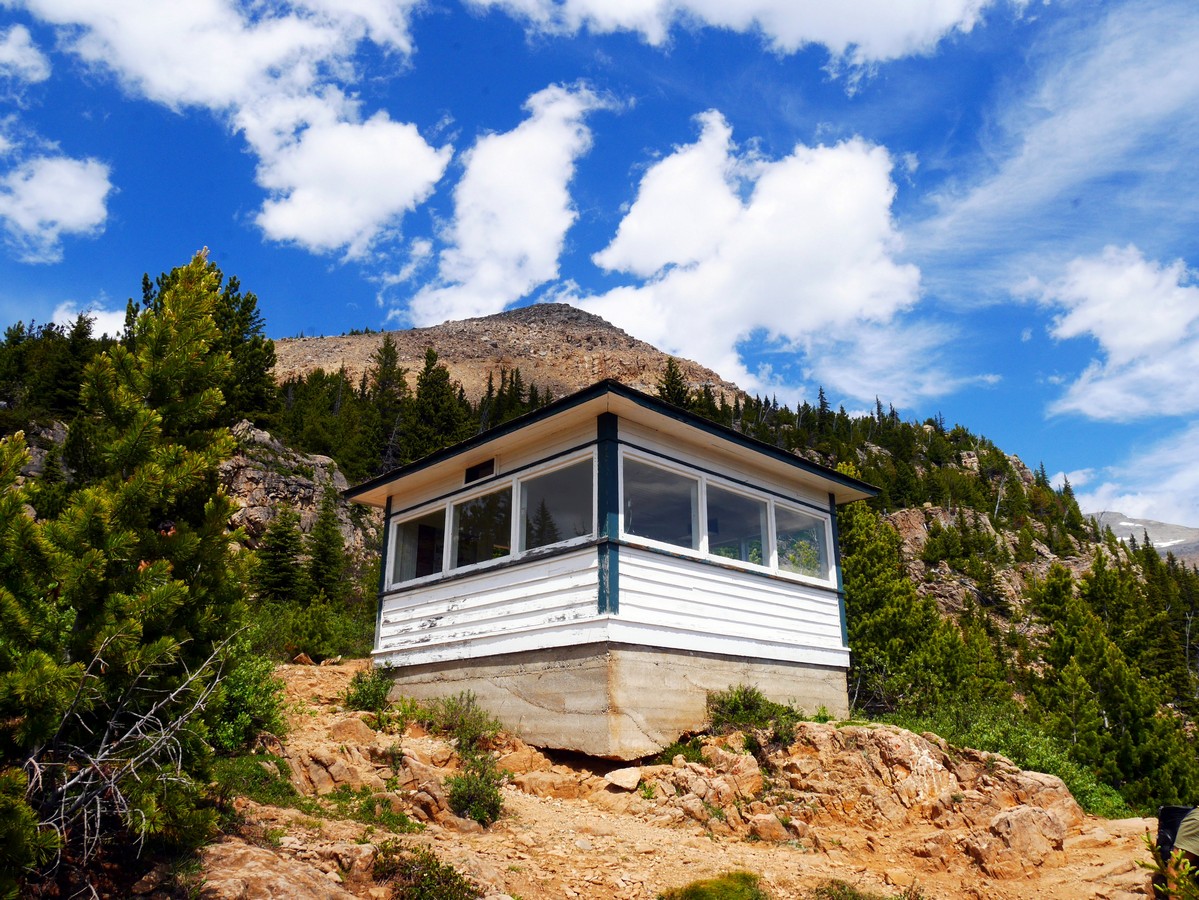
(419, 544)
(736, 526)
(557, 506)
(660, 504)
(483, 528)
(801, 542)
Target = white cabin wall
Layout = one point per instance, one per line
(535, 604)
(693, 605)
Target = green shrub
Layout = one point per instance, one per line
(368, 690)
(691, 750)
(417, 874)
(249, 701)
(744, 707)
(730, 886)
(475, 793)
(322, 628)
(461, 717)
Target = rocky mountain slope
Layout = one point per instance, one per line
(554, 345)
(1180, 540)
(877, 807)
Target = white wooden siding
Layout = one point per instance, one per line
(685, 604)
(527, 606)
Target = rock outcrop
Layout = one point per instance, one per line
(555, 346)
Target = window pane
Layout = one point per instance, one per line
(801, 543)
(660, 505)
(736, 525)
(418, 547)
(557, 506)
(483, 528)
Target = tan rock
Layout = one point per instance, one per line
(767, 827)
(352, 731)
(234, 870)
(626, 779)
(548, 784)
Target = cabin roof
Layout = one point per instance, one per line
(627, 403)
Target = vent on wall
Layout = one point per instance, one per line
(480, 470)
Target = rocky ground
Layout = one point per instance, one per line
(877, 807)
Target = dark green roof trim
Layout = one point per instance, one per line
(595, 391)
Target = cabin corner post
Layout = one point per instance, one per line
(832, 512)
(608, 510)
(383, 569)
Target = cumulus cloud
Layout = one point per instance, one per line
(512, 209)
(104, 321)
(1161, 482)
(48, 197)
(19, 58)
(335, 180)
(811, 251)
(1144, 318)
(1090, 151)
(339, 184)
(856, 32)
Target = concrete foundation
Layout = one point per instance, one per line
(615, 700)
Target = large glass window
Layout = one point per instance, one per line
(660, 504)
(557, 506)
(483, 528)
(736, 526)
(419, 544)
(802, 545)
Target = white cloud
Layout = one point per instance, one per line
(684, 206)
(335, 182)
(104, 321)
(1144, 317)
(1160, 483)
(512, 209)
(856, 32)
(19, 58)
(809, 253)
(340, 184)
(49, 197)
(1093, 151)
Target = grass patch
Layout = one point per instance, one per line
(417, 874)
(461, 717)
(839, 890)
(730, 886)
(362, 806)
(259, 777)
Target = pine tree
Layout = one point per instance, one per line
(327, 552)
(119, 612)
(672, 387)
(280, 577)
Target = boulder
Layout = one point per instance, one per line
(234, 870)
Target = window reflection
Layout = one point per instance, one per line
(557, 506)
(660, 505)
(483, 528)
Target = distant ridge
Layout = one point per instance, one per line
(555, 346)
(1181, 540)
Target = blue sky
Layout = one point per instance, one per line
(984, 209)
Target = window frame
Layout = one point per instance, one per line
(512, 482)
(770, 565)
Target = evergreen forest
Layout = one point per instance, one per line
(138, 632)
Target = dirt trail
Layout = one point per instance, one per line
(613, 843)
